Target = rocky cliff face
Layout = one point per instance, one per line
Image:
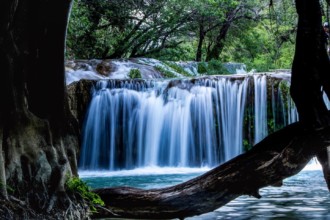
(79, 96)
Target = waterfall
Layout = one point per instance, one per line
(230, 106)
(179, 123)
(260, 103)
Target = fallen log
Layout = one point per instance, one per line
(280, 155)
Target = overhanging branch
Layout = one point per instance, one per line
(277, 157)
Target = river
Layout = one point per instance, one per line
(303, 196)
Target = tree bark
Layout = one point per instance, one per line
(201, 38)
(38, 133)
(310, 74)
(215, 52)
(310, 69)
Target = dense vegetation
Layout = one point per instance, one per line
(39, 135)
(248, 31)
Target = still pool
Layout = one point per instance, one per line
(304, 196)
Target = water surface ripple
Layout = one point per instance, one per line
(304, 196)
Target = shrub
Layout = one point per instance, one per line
(166, 73)
(202, 68)
(177, 68)
(134, 74)
(213, 67)
(77, 186)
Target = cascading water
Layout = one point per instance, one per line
(180, 123)
(260, 106)
(230, 106)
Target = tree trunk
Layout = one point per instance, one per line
(277, 157)
(38, 133)
(310, 74)
(200, 42)
(310, 69)
(215, 52)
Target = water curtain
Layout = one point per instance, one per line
(181, 123)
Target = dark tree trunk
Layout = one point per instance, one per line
(310, 74)
(200, 42)
(38, 133)
(310, 69)
(277, 157)
(215, 52)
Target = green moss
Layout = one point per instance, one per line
(247, 145)
(77, 186)
(213, 67)
(135, 74)
(166, 73)
(202, 68)
(271, 125)
(285, 92)
(177, 68)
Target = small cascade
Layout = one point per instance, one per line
(230, 108)
(260, 108)
(179, 123)
(147, 67)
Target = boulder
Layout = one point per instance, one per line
(103, 68)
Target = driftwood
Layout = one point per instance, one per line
(277, 157)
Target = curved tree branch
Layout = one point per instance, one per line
(277, 157)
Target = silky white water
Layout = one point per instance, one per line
(179, 123)
(156, 133)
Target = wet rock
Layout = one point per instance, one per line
(80, 65)
(103, 68)
(79, 95)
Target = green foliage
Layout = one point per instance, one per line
(166, 73)
(261, 37)
(247, 145)
(259, 48)
(76, 185)
(202, 67)
(122, 29)
(271, 125)
(183, 51)
(284, 87)
(177, 68)
(216, 67)
(134, 74)
(82, 41)
(213, 67)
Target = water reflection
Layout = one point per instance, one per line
(304, 196)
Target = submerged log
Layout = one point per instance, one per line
(280, 155)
